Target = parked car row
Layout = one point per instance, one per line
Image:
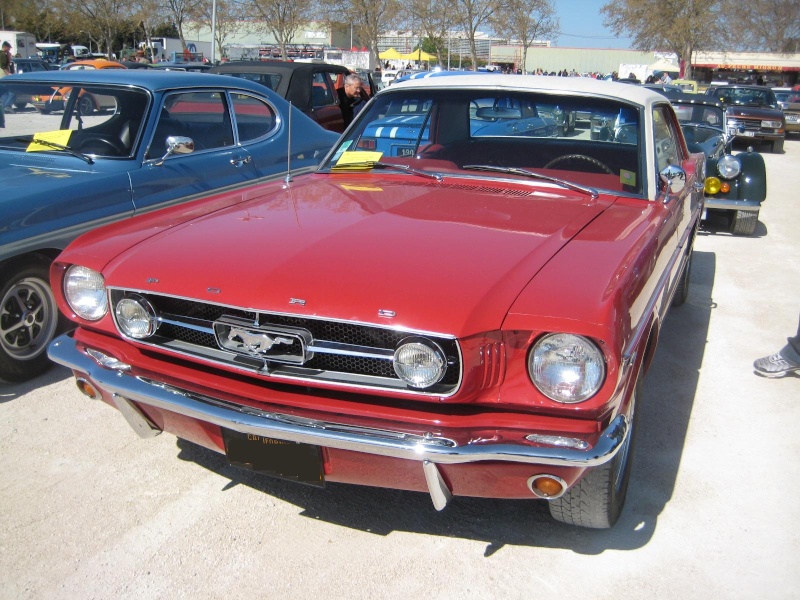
(462, 301)
(461, 295)
(159, 140)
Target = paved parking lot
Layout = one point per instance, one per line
(90, 510)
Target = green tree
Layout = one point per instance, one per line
(369, 18)
(431, 16)
(283, 18)
(228, 20)
(526, 21)
(472, 15)
(679, 26)
(772, 25)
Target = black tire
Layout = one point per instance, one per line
(85, 105)
(744, 222)
(29, 320)
(777, 146)
(596, 501)
(20, 105)
(682, 289)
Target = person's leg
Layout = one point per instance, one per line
(2, 116)
(783, 362)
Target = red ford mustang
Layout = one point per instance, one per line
(462, 300)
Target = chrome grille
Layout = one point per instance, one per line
(341, 352)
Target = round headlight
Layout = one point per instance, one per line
(136, 317)
(85, 291)
(419, 363)
(713, 185)
(729, 167)
(566, 368)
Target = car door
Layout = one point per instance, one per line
(682, 205)
(325, 108)
(217, 161)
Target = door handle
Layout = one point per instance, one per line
(238, 162)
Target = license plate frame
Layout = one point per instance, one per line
(292, 461)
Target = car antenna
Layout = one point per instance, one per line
(288, 178)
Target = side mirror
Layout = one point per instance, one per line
(674, 177)
(176, 144)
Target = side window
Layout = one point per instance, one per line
(666, 140)
(254, 118)
(201, 116)
(321, 91)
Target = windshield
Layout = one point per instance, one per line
(700, 116)
(752, 96)
(586, 140)
(91, 119)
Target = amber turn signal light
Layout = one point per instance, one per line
(547, 486)
(87, 389)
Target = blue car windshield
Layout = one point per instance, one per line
(589, 140)
(93, 119)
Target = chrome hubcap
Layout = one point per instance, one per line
(28, 319)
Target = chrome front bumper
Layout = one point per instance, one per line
(126, 389)
(728, 204)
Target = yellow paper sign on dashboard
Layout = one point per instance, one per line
(627, 177)
(358, 158)
(60, 137)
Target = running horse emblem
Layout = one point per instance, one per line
(255, 343)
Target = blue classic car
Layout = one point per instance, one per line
(734, 184)
(152, 139)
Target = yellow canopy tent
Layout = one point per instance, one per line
(418, 55)
(390, 54)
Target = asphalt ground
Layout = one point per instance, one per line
(90, 510)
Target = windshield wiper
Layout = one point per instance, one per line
(56, 146)
(525, 173)
(376, 164)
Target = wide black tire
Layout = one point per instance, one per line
(744, 222)
(682, 289)
(777, 146)
(29, 320)
(596, 501)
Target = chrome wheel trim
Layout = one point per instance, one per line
(28, 318)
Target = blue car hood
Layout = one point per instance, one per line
(42, 194)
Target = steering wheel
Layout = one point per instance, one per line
(594, 161)
(115, 147)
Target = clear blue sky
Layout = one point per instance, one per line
(582, 26)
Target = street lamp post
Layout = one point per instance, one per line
(213, 30)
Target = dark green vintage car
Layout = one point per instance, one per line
(734, 184)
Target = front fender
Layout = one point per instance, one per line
(750, 185)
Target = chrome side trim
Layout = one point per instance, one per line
(245, 419)
(630, 348)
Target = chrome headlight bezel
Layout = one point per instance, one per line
(419, 362)
(567, 368)
(85, 292)
(135, 317)
(729, 167)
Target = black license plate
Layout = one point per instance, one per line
(293, 461)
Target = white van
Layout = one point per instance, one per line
(23, 45)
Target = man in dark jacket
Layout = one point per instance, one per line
(352, 98)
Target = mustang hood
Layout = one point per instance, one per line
(442, 257)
